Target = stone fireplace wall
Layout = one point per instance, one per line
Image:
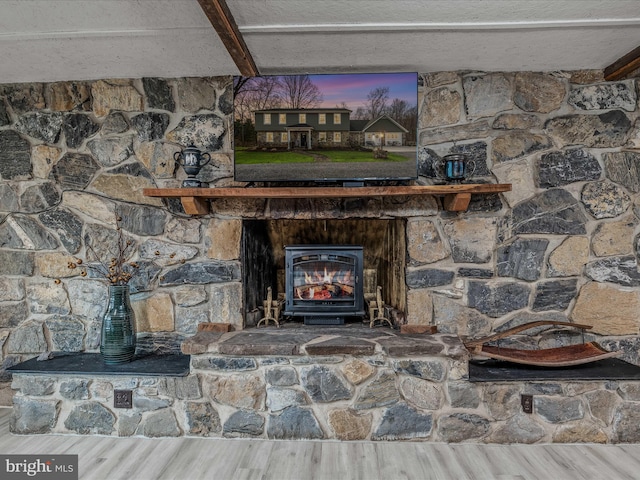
(561, 245)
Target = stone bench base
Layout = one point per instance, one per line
(315, 384)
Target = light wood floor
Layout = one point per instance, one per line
(112, 458)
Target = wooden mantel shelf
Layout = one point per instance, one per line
(456, 197)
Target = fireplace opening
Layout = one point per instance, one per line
(324, 283)
(382, 246)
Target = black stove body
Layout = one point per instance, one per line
(324, 283)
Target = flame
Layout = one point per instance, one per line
(320, 277)
(328, 277)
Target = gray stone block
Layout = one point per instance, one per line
(324, 385)
(560, 168)
(31, 416)
(458, 427)
(402, 422)
(243, 423)
(158, 94)
(294, 423)
(90, 418)
(497, 300)
(554, 212)
(15, 156)
(523, 258)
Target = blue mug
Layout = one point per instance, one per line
(457, 168)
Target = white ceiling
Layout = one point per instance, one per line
(51, 40)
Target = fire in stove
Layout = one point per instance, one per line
(324, 286)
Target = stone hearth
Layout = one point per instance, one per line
(298, 340)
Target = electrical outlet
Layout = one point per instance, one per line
(122, 399)
(527, 403)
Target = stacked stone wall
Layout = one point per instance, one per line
(73, 155)
(563, 244)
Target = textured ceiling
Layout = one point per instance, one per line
(50, 40)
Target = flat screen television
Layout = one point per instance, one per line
(326, 128)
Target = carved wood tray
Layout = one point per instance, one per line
(550, 357)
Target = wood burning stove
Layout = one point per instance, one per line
(323, 283)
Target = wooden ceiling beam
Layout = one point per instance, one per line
(625, 65)
(222, 20)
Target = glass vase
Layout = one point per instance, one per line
(118, 336)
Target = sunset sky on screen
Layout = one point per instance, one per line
(353, 89)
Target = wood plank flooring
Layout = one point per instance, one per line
(183, 458)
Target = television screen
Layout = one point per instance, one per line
(330, 127)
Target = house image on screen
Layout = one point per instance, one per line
(324, 128)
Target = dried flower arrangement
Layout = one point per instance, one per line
(119, 269)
